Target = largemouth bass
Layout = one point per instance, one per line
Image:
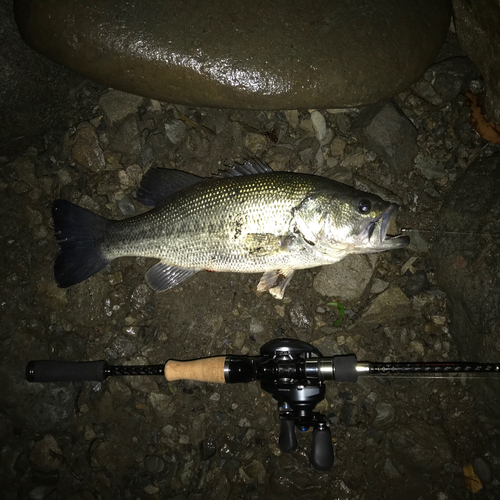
(248, 220)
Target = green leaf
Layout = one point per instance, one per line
(341, 309)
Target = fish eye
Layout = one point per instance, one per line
(364, 206)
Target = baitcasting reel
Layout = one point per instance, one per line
(291, 370)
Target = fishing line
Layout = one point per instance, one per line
(437, 231)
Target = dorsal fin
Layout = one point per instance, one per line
(252, 166)
(159, 183)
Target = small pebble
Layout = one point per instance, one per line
(319, 124)
(418, 347)
(126, 206)
(154, 464)
(390, 471)
(482, 469)
(208, 447)
(151, 490)
(416, 284)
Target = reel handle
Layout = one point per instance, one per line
(322, 448)
(288, 439)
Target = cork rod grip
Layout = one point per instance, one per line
(202, 370)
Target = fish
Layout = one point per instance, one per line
(249, 219)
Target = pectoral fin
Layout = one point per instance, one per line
(162, 277)
(275, 282)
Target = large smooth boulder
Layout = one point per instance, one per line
(467, 262)
(478, 29)
(284, 54)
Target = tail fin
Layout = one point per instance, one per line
(80, 234)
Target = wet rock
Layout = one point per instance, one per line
(41, 455)
(292, 117)
(104, 453)
(468, 267)
(161, 405)
(86, 149)
(355, 160)
(198, 144)
(65, 176)
(50, 478)
(38, 493)
(175, 130)
(350, 415)
(117, 105)
(307, 149)
(337, 146)
(256, 143)
(378, 286)
(278, 157)
(126, 206)
(9, 455)
(417, 242)
(425, 90)
(388, 132)
(417, 347)
(25, 170)
(256, 326)
(390, 471)
(154, 464)
(319, 125)
(450, 77)
(141, 295)
(252, 56)
(151, 489)
(482, 469)
(391, 305)
(52, 410)
(347, 280)
(209, 448)
(128, 138)
(416, 284)
(299, 317)
(421, 445)
(154, 147)
(429, 168)
(477, 29)
(253, 472)
(384, 417)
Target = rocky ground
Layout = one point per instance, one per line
(131, 438)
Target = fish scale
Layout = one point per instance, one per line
(208, 226)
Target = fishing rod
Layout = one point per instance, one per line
(292, 371)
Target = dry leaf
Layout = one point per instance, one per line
(472, 482)
(489, 131)
(193, 124)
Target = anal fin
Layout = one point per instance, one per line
(163, 277)
(275, 282)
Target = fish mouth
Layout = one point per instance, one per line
(376, 232)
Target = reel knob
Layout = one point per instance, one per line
(322, 448)
(288, 439)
